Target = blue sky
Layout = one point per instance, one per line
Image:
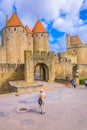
(60, 17)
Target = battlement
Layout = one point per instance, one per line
(40, 54)
(65, 60)
(77, 46)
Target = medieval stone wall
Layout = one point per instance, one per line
(11, 72)
(68, 56)
(2, 54)
(68, 41)
(63, 68)
(82, 71)
(15, 42)
(40, 41)
(82, 54)
(43, 58)
(30, 42)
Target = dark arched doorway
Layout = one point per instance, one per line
(41, 72)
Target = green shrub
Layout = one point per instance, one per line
(81, 81)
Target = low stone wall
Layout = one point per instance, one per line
(61, 80)
(10, 72)
(21, 87)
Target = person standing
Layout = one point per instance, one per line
(85, 83)
(42, 97)
(74, 84)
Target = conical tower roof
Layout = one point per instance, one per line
(28, 29)
(38, 27)
(14, 21)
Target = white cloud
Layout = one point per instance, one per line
(31, 10)
(63, 25)
(82, 33)
(6, 7)
(84, 6)
(63, 13)
(60, 44)
(71, 20)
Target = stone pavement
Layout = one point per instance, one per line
(66, 109)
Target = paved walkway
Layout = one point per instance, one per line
(66, 109)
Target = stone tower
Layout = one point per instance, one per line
(72, 43)
(67, 41)
(40, 37)
(14, 40)
(29, 39)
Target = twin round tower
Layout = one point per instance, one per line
(16, 39)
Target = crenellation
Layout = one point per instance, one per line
(44, 54)
(37, 53)
(51, 54)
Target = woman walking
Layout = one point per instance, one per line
(41, 101)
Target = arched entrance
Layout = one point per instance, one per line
(41, 72)
(39, 65)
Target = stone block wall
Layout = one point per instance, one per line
(40, 41)
(68, 41)
(30, 42)
(63, 65)
(82, 55)
(44, 59)
(2, 54)
(82, 71)
(15, 42)
(11, 72)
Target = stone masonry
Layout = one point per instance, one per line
(30, 49)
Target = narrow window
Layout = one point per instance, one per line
(14, 29)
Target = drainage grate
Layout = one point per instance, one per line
(22, 109)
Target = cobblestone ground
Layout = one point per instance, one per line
(66, 109)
